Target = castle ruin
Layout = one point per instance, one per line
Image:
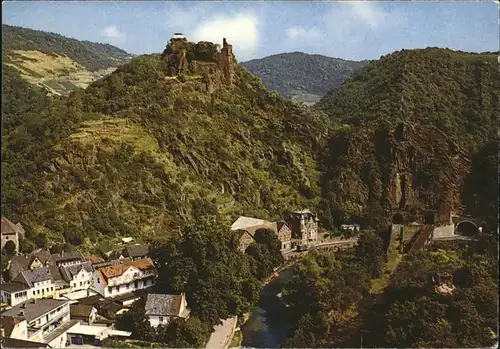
(213, 62)
(226, 62)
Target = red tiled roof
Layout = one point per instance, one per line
(8, 227)
(119, 269)
(8, 323)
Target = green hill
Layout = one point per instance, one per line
(411, 123)
(57, 63)
(142, 152)
(147, 149)
(300, 76)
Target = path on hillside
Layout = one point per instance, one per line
(223, 334)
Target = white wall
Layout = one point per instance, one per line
(44, 288)
(81, 281)
(155, 320)
(444, 231)
(60, 341)
(122, 284)
(20, 331)
(54, 314)
(12, 300)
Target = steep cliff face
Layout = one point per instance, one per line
(142, 152)
(409, 125)
(371, 173)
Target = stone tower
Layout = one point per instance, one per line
(226, 62)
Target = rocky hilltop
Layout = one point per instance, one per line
(170, 137)
(56, 63)
(164, 139)
(302, 77)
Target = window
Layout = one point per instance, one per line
(52, 288)
(161, 318)
(37, 291)
(128, 286)
(81, 284)
(110, 289)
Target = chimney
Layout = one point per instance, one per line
(224, 42)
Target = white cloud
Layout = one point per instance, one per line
(240, 30)
(113, 32)
(368, 13)
(303, 33)
(351, 19)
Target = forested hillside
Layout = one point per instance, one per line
(142, 153)
(411, 125)
(300, 76)
(57, 63)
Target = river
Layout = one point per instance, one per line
(267, 326)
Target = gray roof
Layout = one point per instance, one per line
(34, 310)
(41, 254)
(55, 272)
(163, 304)
(66, 257)
(11, 287)
(20, 343)
(68, 272)
(29, 277)
(136, 250)
(17, 265)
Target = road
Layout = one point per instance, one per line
(223, 334)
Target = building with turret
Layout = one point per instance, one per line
(304, 225)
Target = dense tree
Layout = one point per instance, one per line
(135, 321)
(180, 333)
(205, 263)
(370, 250)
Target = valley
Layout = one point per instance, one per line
(184, 189)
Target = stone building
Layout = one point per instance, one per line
(11, 232)
(304, 226)
(246, 227)
(226, 61)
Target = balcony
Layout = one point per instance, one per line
(59, 330)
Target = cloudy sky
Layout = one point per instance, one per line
(350, 30)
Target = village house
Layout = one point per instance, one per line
(78, 276)
(66, 259)
(136, 251)
(85, 313)
(162, 308)
(304, 225)
(13, 293)
(44, 321)
(11, 232)
(39, 281)
(126, 277)
(34, 260)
